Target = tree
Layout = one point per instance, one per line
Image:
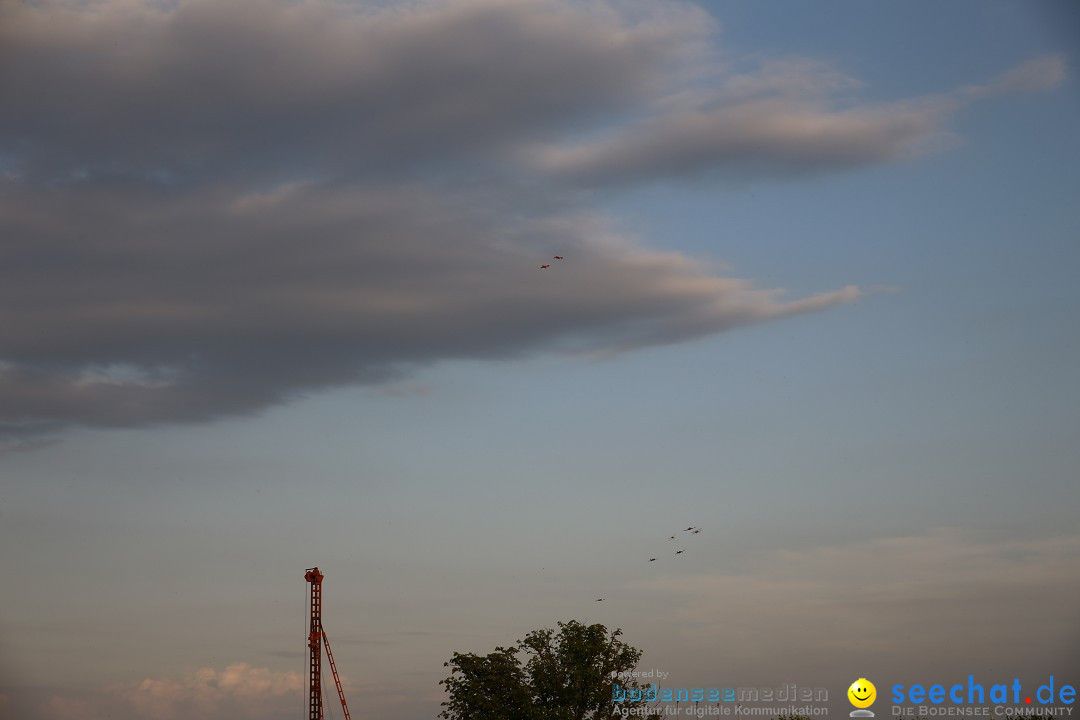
(568, 676)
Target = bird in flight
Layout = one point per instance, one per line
(599, 599)
(696, 531)
(679, 552)
(671, 538)
(652, 559)
(689, 528)
(559, 257)
(542, 267)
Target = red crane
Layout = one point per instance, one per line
(316, 638)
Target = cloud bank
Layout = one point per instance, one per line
(210, 208)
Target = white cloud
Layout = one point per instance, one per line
(786, 119)
(238, 691)
(1042, 73)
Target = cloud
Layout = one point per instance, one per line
(17, 444)
(200, 89)
(237, 691)
(1043, 73)
(215, 309)
(780, 121)
(211, 208)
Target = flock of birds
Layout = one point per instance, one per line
(693, 530)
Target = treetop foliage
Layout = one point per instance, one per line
(567, 676)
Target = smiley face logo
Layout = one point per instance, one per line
(862, 693)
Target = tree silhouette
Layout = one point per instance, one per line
(568, 676)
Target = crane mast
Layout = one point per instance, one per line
(316, 638)
(315, 711)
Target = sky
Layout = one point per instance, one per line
(272, 297)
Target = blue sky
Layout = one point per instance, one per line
(296, 320)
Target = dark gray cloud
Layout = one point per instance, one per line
(258, 87)
(189, 306)
(207, 208)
